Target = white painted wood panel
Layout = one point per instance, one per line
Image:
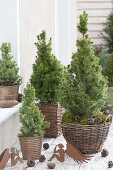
(95, 27)
(94, 34)
(96, 13)
(101, 5)
(9, 25)
(35, 16)
(96, 1)
(95, 20)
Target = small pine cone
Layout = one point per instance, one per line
(98, 120)
(78, 118)
(107, 112)
(19, 98)
(31, 163)
(90, 120)
(42, 158)
(104, 153)
(8, 103)
(110, 164)
(46, 146)
(51, 165)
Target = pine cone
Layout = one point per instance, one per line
(8, 103)
(90, 121)
(46, 146)
(19, 98)
(104, 153)
(78, 118)
(31, 163)
(51, 165)
(98, 120)
(110, 164)
(42, 158)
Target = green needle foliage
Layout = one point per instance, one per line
(109, 69)
(31, 118)
(108, 33)
(47, 71)
(8, 68)
(83, 89)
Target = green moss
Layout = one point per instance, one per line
(84, 121)
(101, 116)
(68, 118)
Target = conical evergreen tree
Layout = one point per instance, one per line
(8, 68)
(47, 71)
(83, 91)
(31, 118)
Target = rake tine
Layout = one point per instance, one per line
(81, 161)
(78, 161)
(85, 161)
(88, 159)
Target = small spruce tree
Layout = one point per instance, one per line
(8, 68)
(31, 118)
(108, 33)
(47, 71)
(83, 90)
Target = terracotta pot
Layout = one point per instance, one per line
(31, 147)
(53, 114)
(9, 92)
(87, 138)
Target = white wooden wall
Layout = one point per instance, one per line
(98, 11)
(35, 16)
(9, 25)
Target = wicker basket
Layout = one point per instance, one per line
(9, 92)
(87, 138)
(31, 147)
(53, 114)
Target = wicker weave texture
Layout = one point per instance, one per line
(9, 92)
(87, 138)
(31, 147)
(53, 114)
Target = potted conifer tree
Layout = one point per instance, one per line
(9, 75)
(46, 77)
(32, 125)
(83, 94)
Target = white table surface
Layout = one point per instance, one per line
(6, 113)
(96, 163)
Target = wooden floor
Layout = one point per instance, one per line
(96, 163)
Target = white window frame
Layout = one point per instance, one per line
(62, 31)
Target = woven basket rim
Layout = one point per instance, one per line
(9, 86)
(34, 137)
(55, 104)
(72, 124)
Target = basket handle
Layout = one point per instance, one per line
(109, 118)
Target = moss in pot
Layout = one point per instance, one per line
(32, 125)
(83, 93)
(46, 77)
(9, 74)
